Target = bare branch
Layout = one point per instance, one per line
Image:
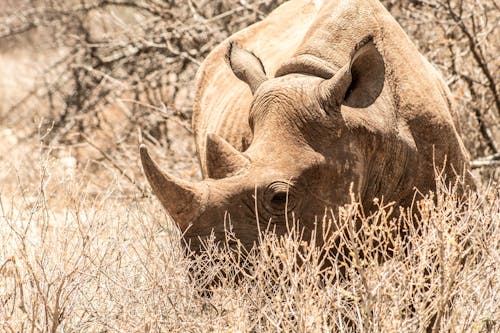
(492, 161)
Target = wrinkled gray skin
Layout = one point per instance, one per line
(314, 131)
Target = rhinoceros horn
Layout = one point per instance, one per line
(224, 160)
(183, 200)
(359, 82)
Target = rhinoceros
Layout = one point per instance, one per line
(320, 99)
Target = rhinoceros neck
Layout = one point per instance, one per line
(338, 27)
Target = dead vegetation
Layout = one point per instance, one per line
(83, 247)
(113, 66)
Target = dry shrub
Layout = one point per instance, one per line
(105, 263)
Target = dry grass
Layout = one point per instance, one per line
(108, 263)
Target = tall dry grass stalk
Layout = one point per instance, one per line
(76, 262)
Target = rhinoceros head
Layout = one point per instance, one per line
(304, 157)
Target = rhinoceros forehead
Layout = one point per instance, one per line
(285, 102)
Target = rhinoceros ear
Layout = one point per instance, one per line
(223, 159)
(246, 66)
(358, 83)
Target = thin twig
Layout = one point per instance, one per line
(492, 161)
(113, 163)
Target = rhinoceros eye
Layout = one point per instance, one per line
(279, 197)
